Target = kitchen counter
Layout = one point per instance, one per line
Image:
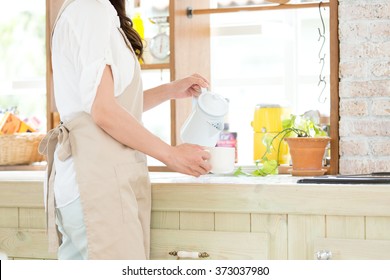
(270, 194)
(269, 217)
(168, 177)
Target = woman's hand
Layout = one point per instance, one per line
(186, 87)
(189, 86)
(189, 159)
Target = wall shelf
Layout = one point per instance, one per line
(156, 66)
(191, 11)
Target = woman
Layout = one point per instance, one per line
(101, 186)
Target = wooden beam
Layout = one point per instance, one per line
(190, 53)
(191, 12)
(334, 87)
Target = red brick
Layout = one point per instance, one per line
(380, 107)
(365, 88)
(353, 107)
(380, 69)
(364, 127)
(380, 147)
(354, 147)
(363, 165)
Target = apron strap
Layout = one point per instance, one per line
(57, 136)
(47, 147)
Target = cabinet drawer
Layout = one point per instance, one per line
(218, 245)
(353, 249)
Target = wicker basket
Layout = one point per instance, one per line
(20, 148)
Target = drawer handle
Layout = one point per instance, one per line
(189, 255)
(323, 255)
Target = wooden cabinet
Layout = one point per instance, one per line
(221, 235)
(295, 221)
(23, 221)
(355, 237)
(212, 244)
(254, 218)
(353, 249)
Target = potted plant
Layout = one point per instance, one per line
(307, 142)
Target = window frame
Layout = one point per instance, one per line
(193, 17)
(191, 30)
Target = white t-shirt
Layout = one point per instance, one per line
(86, 39)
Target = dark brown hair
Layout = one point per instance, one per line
(127, 27)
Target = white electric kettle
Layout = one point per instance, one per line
(205, 122)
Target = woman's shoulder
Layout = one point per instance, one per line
(86, 15)
(98, 9)
(100, 5)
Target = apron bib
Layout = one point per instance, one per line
(113, 180)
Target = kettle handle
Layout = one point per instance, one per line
(195, 98)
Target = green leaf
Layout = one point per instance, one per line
(267, 141)
(239, 172)
(270, 167)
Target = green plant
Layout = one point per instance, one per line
(295, 126)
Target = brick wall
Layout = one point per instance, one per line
(364, 32)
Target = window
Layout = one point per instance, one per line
(269, 57)
(23, 59)
(158, 119)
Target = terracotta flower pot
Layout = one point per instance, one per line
(307, 154)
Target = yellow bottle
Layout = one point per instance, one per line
(138, 25)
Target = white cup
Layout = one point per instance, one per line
(221, 159)
(3, 256)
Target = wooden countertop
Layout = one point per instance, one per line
(168, 178)
(271, 194)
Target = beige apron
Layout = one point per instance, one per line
(113, 181)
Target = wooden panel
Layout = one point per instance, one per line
(28, 259)
(165, 220)
(21, 194)
(345, 227)
(276, 227)
(253, 8)
(378, 228)
(219, 245)
(334, 86)
(34, 218)
(52, 8)
(266, 198)
(197, 221)
(56, 119)
(349, 249)
(302, 231)
(191, 51)
(9, 217)
(21, 167)
(25, 243)
(232, 222)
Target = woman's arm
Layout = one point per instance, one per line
(186, 87)
(122, 126)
